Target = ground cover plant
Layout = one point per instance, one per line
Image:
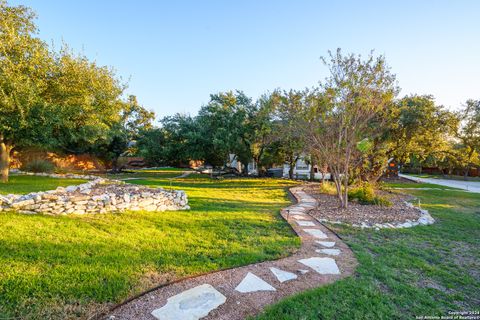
(403, 273)
(64, 267)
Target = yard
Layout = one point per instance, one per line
(421, 271)
(58, 267)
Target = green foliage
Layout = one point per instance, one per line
(365, 194)
(57, 100)
(65, 267)
(365, 145)
(421, 129)
(134, 120)
(347, 111)
(328, 187)
(39, 165)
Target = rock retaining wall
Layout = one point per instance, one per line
(96, 196)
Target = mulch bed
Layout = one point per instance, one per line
(358, 213)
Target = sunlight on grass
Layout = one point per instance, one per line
(436, 205)
(55, 265)
(22, 184)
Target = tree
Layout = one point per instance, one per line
(287, 126)
(266, 148)
(134, 119)
(340, 115)
(86, 102)
(227, 123)
(420, 129)
(24, 60)
(469, 134)
(52, 100)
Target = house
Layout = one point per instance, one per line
(303, 170)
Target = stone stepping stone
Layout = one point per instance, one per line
(332, 252)
(252, 283)
(305, 205)
(191, 304)
(303, 271)
(283, 276)
(298, 217)
(316, 233)
(327, 244)
(306, 223)
(321, 265)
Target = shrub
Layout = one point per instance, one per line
(365, 194)
(39, 165)
(328, 188)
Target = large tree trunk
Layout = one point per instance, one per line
(5, 149)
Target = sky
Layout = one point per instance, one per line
(174, 54)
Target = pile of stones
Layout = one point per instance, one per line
(96, 196)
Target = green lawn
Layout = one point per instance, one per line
(64, 267)
(419, 185)
(21, 184)
(155, 172)
(448, 177)
(421, 271)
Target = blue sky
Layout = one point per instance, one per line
(175, 53)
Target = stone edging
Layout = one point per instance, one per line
(425, 219)
(237, 293)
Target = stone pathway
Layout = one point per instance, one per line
(237, 293)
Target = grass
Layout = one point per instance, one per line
(154, 172)
(68, 267)
(405, 273)
(21, 184)
(419, 185)
(447, 177)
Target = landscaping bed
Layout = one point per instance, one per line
(359, 214)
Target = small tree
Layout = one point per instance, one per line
(341, 113)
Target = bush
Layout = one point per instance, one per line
(39, 165)
(365, 194)
(328, 188)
